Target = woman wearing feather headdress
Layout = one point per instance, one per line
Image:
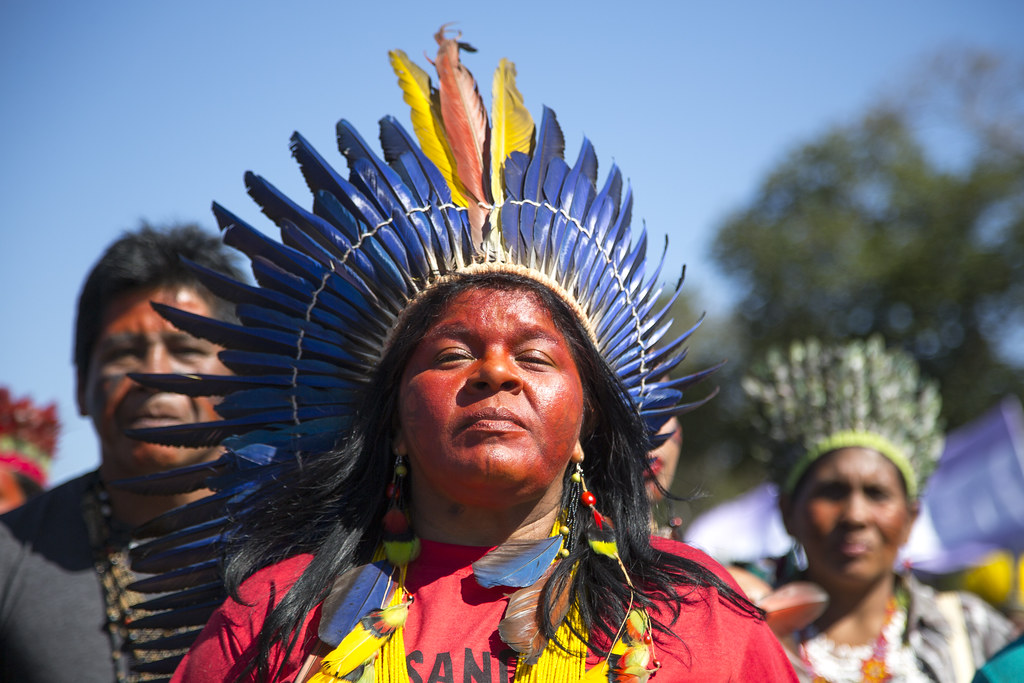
(852, 433)
(446, 391)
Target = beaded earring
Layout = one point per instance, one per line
(401, 545)
(632, 655)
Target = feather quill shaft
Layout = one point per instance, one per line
(522, 627)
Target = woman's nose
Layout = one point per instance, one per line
(857, 508)
(497, 372)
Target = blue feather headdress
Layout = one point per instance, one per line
(330, 294)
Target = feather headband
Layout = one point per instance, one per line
(818, 398)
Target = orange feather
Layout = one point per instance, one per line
(467, 127)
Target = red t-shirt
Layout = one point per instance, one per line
(451, 632)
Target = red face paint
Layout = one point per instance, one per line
(134, 338)
(490, 403)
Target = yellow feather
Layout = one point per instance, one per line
(426, 119)
(363, 643)
(511, 124)
(598, 673)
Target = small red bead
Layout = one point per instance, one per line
(647, 638)
(588, 499)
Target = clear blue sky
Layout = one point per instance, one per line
(116, 111)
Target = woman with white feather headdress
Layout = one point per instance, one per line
(852, 432)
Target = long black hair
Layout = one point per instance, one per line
(333, 507)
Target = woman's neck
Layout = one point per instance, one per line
(856, 617)
(453, 523)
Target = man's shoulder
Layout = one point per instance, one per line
(50, 512)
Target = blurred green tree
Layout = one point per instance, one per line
(908, 222)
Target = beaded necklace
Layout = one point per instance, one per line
(130, 649)
(886, 659)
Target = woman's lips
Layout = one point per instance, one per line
(853, 548)
(492, 420)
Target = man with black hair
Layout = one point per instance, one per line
(64, 573)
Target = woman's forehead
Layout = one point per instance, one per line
(494, 304)
(856, 465)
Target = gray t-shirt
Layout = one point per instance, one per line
(52, 611)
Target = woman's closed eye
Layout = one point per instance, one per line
(452, 355)
(534, 358)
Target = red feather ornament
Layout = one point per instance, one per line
(467, 126)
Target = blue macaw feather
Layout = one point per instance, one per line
(240, 292)
(389, 189)
(316, 171)
(309, 335)
(429, 223)
(539, 240)
(586, 162)
(612, 192)
(206, 385)
(619, 312)
(351, 221)
(633, 263)
(192, 552)
(353, 595)
(346, 228)
(550, 145)
(190, 596)
(301, 239)
(213, 528)
(408, 168)
(578, 188)
(511, 213)
(553, 179)
(566, 248)
(626, 334)
(411, 238)
(516, 563)
(259, 362)
(313, 436)
(656, 336)
(179, 480)
(186, 616)
(205, 434)
(197, 512)
(618, 237)
(178, 579)
(181, 640)
(279, 208)
(244, 403)
(237, 336)
(271, 276)
(395, 141)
